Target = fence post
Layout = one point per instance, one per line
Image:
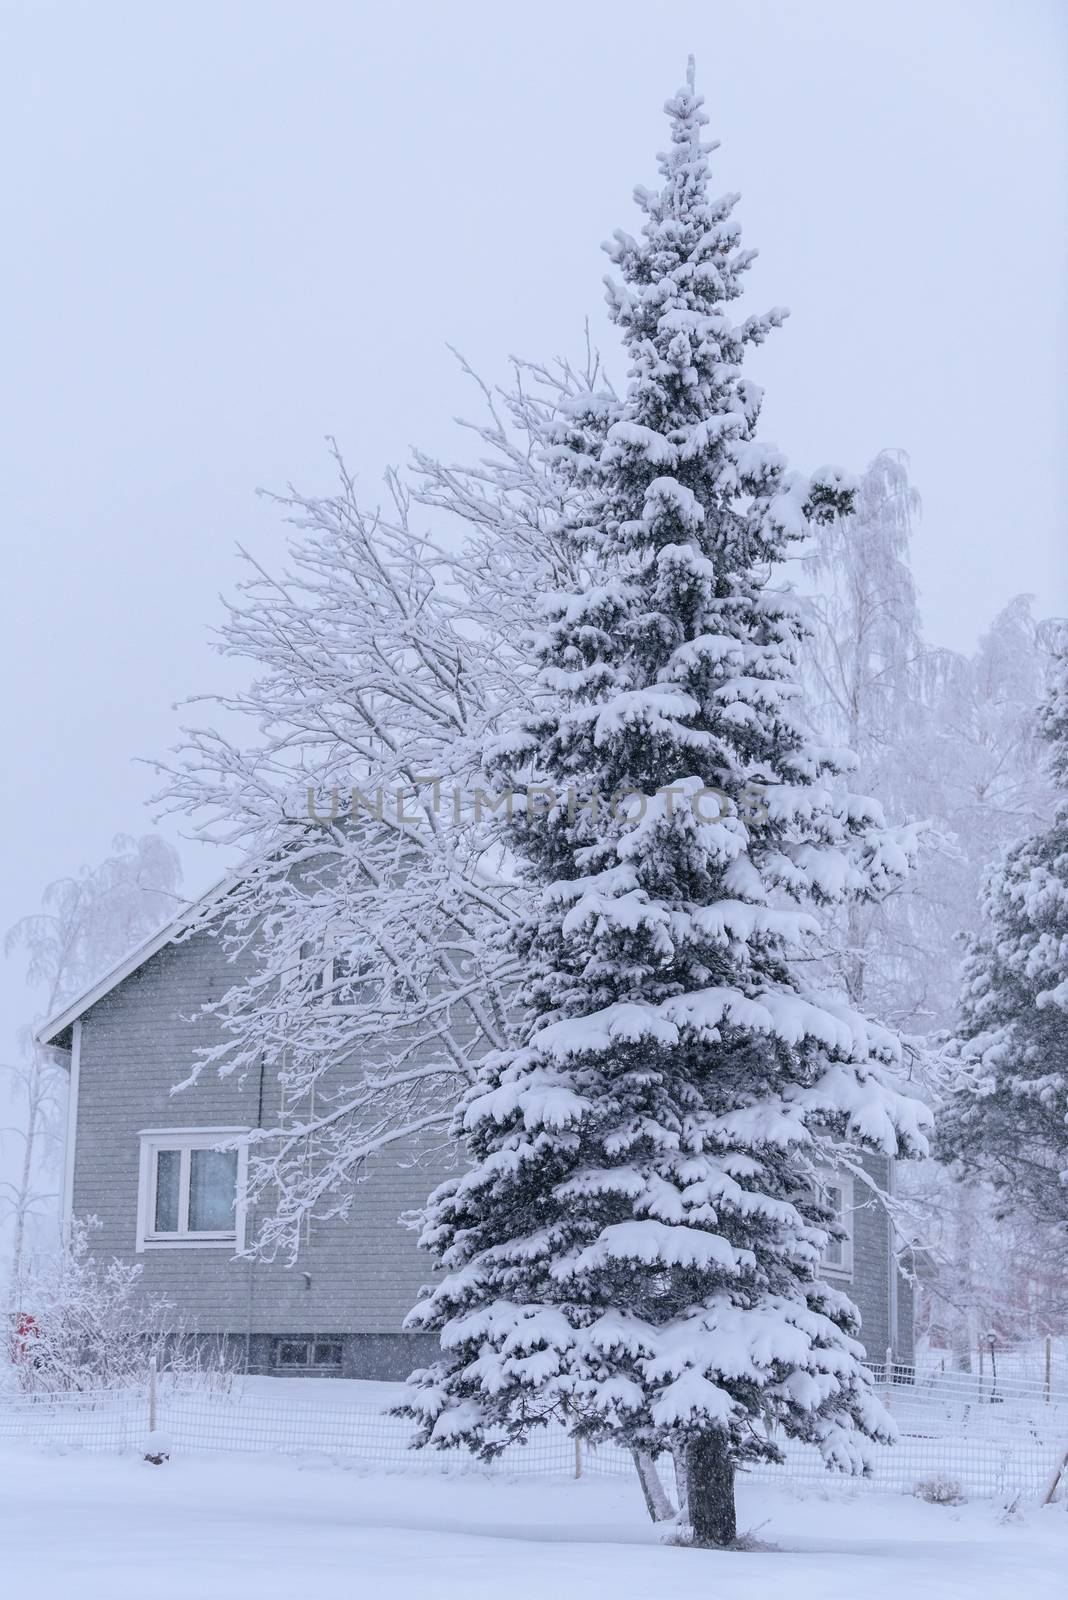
(152, 1395)
(578, 1457)
(1049, 1367)
(889, 1371)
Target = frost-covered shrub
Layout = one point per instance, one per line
(87, 1324)
(939, 1491)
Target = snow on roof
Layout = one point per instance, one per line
(52, 1031)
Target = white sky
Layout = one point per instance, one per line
(232, 228)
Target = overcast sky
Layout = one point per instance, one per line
(231, 228)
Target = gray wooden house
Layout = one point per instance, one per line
(147, 1164)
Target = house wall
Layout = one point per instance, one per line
(885, 1307)
(355, 1279)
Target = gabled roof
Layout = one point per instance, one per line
(52, 1032)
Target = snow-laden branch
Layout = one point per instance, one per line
(366, 927)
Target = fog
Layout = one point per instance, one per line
(234, 229)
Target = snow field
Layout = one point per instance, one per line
(270, 1528)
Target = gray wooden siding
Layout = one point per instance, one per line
(353, 1277)
(137, 1043)
(870, 1286)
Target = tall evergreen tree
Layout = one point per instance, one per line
(635, 1250)
(1009, 1116)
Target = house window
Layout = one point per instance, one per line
(836, 1192)
(308, 1355)
(191, 1191)
(331, 966)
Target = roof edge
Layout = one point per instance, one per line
(56, 1025)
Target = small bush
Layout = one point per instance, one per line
(90, 1325)
(939, 1491)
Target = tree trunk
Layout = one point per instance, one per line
(965, 1329)
(710, 1474)
(657, 1503)
(24, 1193)
(679, 1455)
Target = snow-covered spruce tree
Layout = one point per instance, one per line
(635, 1250)
(1009, 1116)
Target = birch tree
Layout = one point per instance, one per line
(947, 739)
(86, 923)
(870, 679)
(951, 740)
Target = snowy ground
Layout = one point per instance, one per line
(266, 1528)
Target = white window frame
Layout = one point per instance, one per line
(184, 1140)
(843, 1181)
(328, 973)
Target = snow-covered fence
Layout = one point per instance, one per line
(953, 1426)
(989, 1436)
(298, 1417)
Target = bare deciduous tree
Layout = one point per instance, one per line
(370, 903)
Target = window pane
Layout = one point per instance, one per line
(292, 1353)
(354, 978)
(834, 1195)
(168, 1173)
(326, 1354)
(212, 1190)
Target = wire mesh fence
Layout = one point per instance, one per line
(974, 1434)
(984, 1435)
